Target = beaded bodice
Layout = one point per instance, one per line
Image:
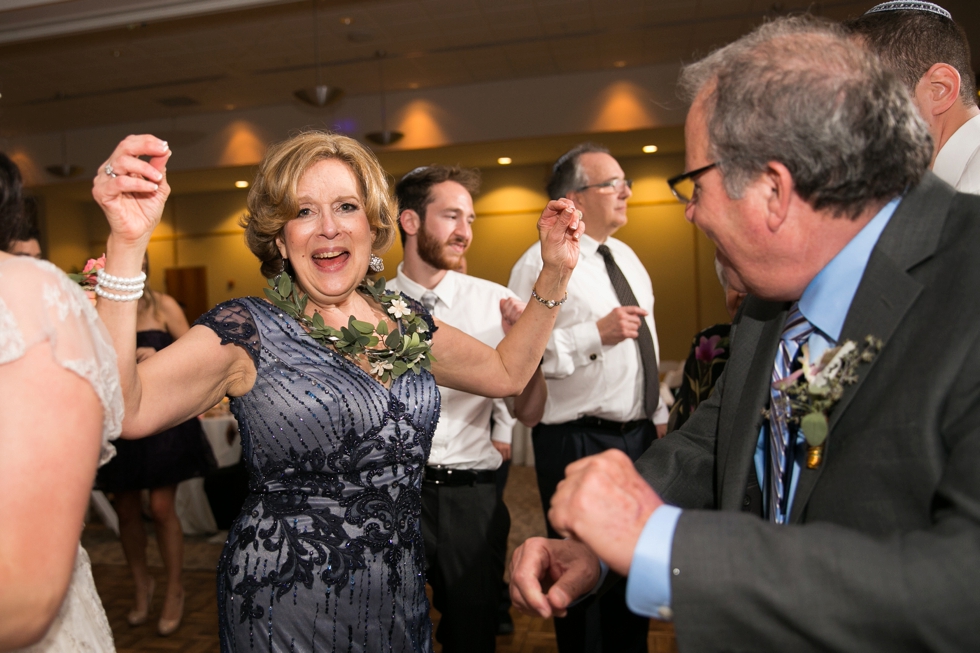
(335, 462)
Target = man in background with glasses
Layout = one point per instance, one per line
(600, 366)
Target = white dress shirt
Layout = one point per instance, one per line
(586, 378)
(463, 435)
(958, 162)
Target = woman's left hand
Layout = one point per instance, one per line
(559, 229)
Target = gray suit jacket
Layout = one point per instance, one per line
(883, 550)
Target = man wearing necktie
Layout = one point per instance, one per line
(807, 166)
(600, 366)
(464, 522)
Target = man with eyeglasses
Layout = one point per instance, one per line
(826, 495)
(600, 366)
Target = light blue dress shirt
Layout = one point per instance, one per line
(825, 303)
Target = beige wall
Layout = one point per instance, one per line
(202, 229)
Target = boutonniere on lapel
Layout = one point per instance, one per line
(815, 389)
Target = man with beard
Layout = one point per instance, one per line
(464, 523)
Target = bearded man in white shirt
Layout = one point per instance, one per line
(931, 54)
(464, 522)
(601, 368)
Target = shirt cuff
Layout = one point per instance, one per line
(662, 414)
(648, 584)
(587, 343)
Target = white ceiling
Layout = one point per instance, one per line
(71, 64)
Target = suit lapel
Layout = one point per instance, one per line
(737, 450)
(885, 295)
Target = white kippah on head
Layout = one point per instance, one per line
(909, 5)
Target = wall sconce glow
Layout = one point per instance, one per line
(620, 107)
(241, 184)
(505, 160)
(245, 144)
(649, 149)
(619, 64)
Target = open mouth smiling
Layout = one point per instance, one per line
(331, 259)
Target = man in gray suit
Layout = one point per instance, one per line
(807, 168)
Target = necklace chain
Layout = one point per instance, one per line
(389, 353)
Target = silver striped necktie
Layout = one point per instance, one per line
(782, 443)
(429, 300)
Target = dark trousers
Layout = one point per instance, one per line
(605, 625)
(465, 531)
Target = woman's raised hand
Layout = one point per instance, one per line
(132, 191)
(559, 229)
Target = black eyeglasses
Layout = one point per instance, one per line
(611, 186)
(683, 186)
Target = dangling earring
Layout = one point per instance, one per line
(282, 271)
(376, 264)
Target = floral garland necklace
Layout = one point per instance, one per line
(390, 354)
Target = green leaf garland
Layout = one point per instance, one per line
(404, 349)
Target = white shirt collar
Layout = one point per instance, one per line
(955, 154)
(445, 290)
(588, 246)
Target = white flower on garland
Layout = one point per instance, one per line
(378, 368)
(399, 308)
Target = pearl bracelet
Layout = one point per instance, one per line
(125, 287)
(129, 281)
(550, 303)
(131, 297)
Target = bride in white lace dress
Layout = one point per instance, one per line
(61, 404)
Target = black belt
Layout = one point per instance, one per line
(608, 424)
(439, 475)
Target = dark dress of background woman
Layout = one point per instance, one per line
(157, 463)
(167, 458)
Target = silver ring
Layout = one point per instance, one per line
(108, 170)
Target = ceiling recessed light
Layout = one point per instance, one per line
(241, 184)
(346, 20)
(505, 160)
(619, 64)
(649, 149)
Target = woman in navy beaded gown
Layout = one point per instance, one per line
(327, 552)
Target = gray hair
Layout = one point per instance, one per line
(566, 174)
(799, 91)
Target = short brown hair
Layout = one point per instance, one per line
(272, 200)
(911, 42)
(414, 191)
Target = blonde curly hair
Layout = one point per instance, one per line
(272, 199)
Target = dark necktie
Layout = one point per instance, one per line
(782, 439)
(648, 355)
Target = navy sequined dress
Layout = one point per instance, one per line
(327, 552)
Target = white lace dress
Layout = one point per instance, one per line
(38, 303)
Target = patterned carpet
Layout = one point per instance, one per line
(198, 633)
